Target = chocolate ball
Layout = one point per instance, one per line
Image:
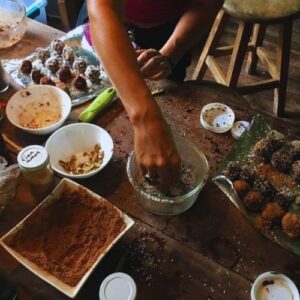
(80, 83)
(57, 46)
(282, 159)
(52, 64)
(92, 73)
(79, 65)
(42, 54)
(68, 54)
(64, 73)
(26, 66)
(47, 80)
(36, 75)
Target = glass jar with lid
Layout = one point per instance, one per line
(34, 164)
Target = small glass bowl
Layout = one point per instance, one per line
(12, 22)
(163, 204)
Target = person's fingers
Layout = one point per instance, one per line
(153, 67)
(146, 55)
(138, 52)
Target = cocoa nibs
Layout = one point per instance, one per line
(66, 237)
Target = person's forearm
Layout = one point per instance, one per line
(118, 59)
(193, 24)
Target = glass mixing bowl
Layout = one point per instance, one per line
(12, 22)
(161, 204)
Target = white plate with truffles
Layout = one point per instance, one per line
(66, 64)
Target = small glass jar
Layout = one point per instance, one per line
(34, 164)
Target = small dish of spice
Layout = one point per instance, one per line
(217, 117)
(74, 228)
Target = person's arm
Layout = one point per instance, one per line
(154, 147)
(192, 25)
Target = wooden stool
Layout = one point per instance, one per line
(253, 17)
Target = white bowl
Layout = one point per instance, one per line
(38, 99)
(75, 138)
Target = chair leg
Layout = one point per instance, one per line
(210, 44)
(283, 59)
(238, 54)
(257, 41)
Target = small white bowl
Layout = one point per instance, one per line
(78, 137)
(38, 98)
(217, 117)
(273, 285)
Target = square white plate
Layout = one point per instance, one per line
(70, 291)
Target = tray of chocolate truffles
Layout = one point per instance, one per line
(66, 63)
(261, 176)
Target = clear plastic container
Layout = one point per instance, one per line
(12, 22)
(167, 205)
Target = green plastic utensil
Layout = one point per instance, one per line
(100, 103)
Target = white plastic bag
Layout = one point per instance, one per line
(8, 182)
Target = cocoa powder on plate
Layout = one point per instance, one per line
(66, 237)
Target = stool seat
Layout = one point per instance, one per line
(257, 11)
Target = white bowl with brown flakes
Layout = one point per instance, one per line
(79, 150)
(39, 109)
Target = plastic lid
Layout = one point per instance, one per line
(117, 286)
(33, 158)
(274, 286)
(238, 128)
(217, 117)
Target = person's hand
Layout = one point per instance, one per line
(156, 153)
(153, 64)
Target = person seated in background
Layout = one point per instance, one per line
(164, 32)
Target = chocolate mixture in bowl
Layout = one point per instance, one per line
(66, 237)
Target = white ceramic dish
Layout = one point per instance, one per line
(274, 286)
(217, 117)
(78, 137)
(43, 99)
(70, 291)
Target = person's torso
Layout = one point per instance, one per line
(153, 11)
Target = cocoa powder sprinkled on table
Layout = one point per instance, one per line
(66, 237)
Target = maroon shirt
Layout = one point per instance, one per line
(153, 11)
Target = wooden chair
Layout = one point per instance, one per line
(253, 17)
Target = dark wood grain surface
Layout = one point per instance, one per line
(208, 252)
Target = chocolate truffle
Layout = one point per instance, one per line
(64, 73)
(295, 149)
(254, 201)
(92, 73)
(291, 225)
(42, 54)
(295, 171)
(46, 80)
(68, 54)
(36, 75)
(80, 83)
(233, 171)
(248, 174)
(26, 66)
(52, 64)
(263, 186)
(79, 65)
(264, 149)
(282, 159)
(284, 198)
(57, 46)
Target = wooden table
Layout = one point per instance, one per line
(208, 252)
